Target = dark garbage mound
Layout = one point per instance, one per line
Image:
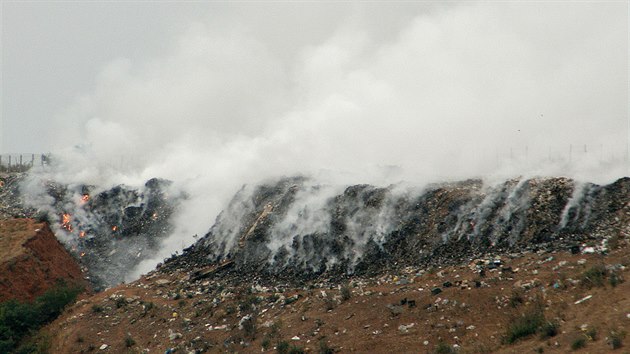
(109, 232)
(296, 230)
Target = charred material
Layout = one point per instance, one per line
(297, 230)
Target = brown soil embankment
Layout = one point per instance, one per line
(32, 260)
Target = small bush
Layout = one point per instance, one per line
(346, 293)
(282, 347)
(549, 329)
(266, 343)
(120, 302)
(517, 298)
(129, 341)
(249, 328)
(329, 303)
(296, 350)
(614, 279)
(591, 333)
(578, 343)
(324, 348)
(594, 276)
(230, 309)
(443, 348)
(615, 339)
(524, 326)
(97, 308)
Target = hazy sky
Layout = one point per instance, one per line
(507, 61)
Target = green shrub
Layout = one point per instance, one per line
(517, 298)
(444, 348)
(591, 333)
(324, 348)
(266, 343)
(614, 279)
(614, 339)
(549, 329)
(129, 341)
(594, 276)
(578, 343)
(20, 319)
(524, 326)
(282, 347)
(296, 350)
(346, 293)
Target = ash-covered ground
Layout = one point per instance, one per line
(295, 229)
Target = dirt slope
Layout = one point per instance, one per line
(32, 260)
(397, 312)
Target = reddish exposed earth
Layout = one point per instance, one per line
(32, 260)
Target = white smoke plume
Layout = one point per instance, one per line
(457, 91)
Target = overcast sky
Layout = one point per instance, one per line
(393, 77)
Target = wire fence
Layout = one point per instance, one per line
(604, 154)
(20, 162)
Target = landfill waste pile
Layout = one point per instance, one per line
(296, 230)
(109, 231)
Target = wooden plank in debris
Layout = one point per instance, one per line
(266, 211)
(204, 273)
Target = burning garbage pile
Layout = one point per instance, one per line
(296, 229)
(111, 231)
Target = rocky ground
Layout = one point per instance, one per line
(467, 308)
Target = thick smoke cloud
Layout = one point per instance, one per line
(493, 90)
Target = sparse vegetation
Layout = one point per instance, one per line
(444, 348)
(615, 279)
(129, 341)
(266, 343)
(346, 293)
(249, 328)
(517, 298)
(525, 325)
(578, 343)
(591, 333)
(594, 276)
(324, 348)
(282, 347)
(329, 303)
(615, 339)
(96, 308)
(549, 329)
(18, 319)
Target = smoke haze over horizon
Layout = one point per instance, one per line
(215, 95)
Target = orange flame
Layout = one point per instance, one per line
(65, 222)
(82, 254)
(82, 234)
(114, 228)
(85, 198)
(154, 216)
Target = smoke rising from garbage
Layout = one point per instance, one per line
(491, 90)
